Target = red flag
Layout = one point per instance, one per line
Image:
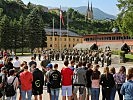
(61, 17)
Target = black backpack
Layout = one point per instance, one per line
(9, 89)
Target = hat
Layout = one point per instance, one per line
(3, 68)
(49, 66)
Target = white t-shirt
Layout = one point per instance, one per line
(16, 63)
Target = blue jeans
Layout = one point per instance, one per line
(95, 93)
(55, 94)
(112, 94)
(29, 94)
(12, 98)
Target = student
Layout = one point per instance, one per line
(79, 80)
(107, 82)
(66, 74)
(127, 87)
(88, 77)
(16, 64)
(55, 82)
(49, 69)
(38, 82)
(120, 78)
(113, 90)
(15, 83)
(95, 87)
(26, 79)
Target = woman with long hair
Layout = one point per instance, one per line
(95, 87)
(113, 90)
(127, 87)
(120, 78)
(107, 82)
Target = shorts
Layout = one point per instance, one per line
(80, 88)
(67, 89)
(37, 92)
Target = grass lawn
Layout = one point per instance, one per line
(24, 54)
(129, 56)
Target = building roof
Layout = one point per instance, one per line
(64, 32)
(85, 46)
(113, 46)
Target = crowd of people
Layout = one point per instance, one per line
(75, 77)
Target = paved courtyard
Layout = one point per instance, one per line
(45, 95)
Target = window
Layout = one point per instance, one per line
(50, 45)
(50, 38)
(69, 45)
(69, 39)
(55, 39)
(73, 39)
(73, 45)
(64, 45)
(64, 39)
(77, 39)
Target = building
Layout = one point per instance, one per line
(109, 38)
(66, 41)
(89, 12)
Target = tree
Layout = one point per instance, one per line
(35, 28)
(5, 41)
(23, 35)
(124, 19)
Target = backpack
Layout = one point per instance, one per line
(9, 89)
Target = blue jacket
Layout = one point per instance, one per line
(127, 90)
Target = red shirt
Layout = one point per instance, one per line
(26, 79)
(66, 76)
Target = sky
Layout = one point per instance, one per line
(108, 6)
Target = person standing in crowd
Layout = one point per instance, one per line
(3, 80)
(39, 55)
(26, 79)
(38, 82)
(44, 63)
(88, 78)
(85, 68)
(95, 87)
(16, 64)
(107, 82)
(66, 74)
(120, 78)
(24, 63)
(113, 90)
(9, 64)
(55, 82)
(15, 83)
(32, 62)
(49, 69)
(79, 80)
(72, 62)
(127, 87)
(1, 62)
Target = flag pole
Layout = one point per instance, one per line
(67, 29)
(60, 30)
(53, 33)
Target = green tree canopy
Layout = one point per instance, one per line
(124, 19)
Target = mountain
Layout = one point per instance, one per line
(98, 14)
